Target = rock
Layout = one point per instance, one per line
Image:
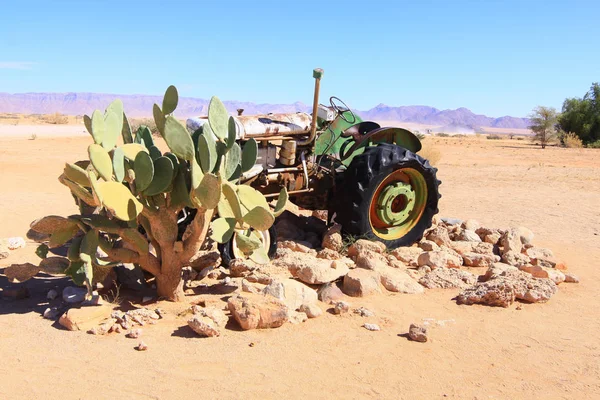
(395, 263)
(368, 259)
(496, 270)
(536, 271)
(362, 244)
(440, 236)
(52, 294)
(511, 242)
(408, 255)
(332, 239)
(239, 268)
(471, 225)
(509, 285)
(72, 294)
(102, 329)
(451, 221)
(312, 270)
(4, 251)
(294, 246)
(428, 245)
(371, 327)
(571, 278)
(312, 240)
(541, 257)
(439, 259)
(417, 333)
(297, 317)
(205, 259)
(291, 292)
(131, 277)
(189, 274)
(447, 278)
(51, 313)
(257, 312)
(259, 277)
(363, 312)
(84, 318)
(134, 333)
(480, 260)
(515, 259)
(328, 254)
(208, 321)
(361, 282)
(14, 243)
(489, 235)
(330, 292)
(396, 280)
(311, 310)
(249, 287)
(341, 307)
(142, 346)
(468, 236)
(464, 247)
(492, 293)
(525, 234)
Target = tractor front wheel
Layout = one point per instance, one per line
(389, 194)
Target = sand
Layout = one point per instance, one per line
(527, 351)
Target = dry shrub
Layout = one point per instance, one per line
(493, 137)
(56, 119)
(571, 140)
(430, 152)
(135, 123)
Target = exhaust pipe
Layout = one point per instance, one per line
(317, 74)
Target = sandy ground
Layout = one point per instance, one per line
(549, 351)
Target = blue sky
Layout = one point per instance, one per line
(494, 57)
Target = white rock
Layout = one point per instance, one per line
(293, 293)
(371, 327)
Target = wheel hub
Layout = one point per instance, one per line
(395, 203)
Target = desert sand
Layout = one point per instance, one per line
(548, 351)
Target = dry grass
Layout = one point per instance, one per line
(56, 119)
(572, 141)
(430, 152)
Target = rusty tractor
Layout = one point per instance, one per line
(369, 178)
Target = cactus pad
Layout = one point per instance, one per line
(144, 171)
(218, 118)
(170, 100)
(163, 175)
(249, 155)
(101, 161)
(119, 200)
(178, 139)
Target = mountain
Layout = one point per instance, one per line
(432, 116)
(141, 106)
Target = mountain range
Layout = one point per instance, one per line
(141, 106)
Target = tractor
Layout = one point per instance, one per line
(369, 178)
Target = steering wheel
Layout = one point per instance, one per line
(340, 107)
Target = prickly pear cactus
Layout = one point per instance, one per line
(137, 193)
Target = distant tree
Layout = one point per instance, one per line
(582, 115)
(543, 124)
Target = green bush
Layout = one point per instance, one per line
(594, 145)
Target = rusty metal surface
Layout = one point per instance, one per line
(284, 124)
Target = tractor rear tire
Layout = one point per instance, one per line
(388, 194)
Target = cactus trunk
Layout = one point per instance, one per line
(169, 284)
